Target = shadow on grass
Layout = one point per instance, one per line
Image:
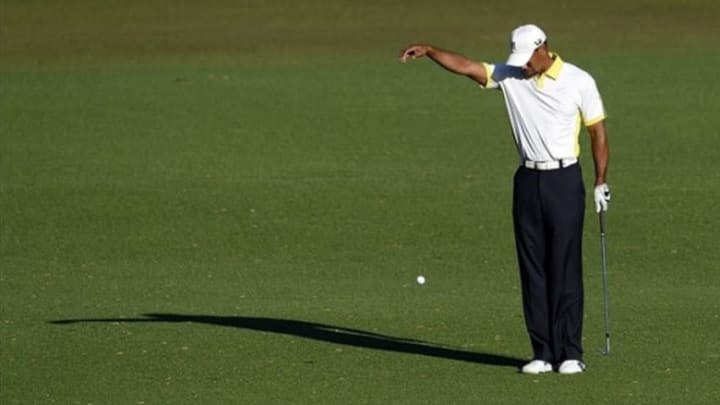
(320, 332)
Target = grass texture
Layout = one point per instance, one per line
(228, 202)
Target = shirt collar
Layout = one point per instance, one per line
(554, 71)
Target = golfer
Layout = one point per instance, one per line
(547, 100)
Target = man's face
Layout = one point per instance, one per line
(537, 62)
(533, 66)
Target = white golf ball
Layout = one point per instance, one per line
(420, 280)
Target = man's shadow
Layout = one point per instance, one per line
(321, 332)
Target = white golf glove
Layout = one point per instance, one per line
(601, 194)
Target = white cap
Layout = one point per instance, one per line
(524, 40)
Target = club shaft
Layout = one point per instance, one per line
(606, 299)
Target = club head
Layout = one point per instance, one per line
(606, 350)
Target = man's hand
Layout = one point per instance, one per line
(601, 194)
(413, 52)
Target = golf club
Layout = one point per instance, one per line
(603, 251)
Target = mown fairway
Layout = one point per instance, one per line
(227, 202)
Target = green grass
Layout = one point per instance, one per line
(267, 178)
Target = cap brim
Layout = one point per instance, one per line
(519, 59)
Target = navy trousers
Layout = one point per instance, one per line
(548, 214)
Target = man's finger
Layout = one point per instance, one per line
(409, 53)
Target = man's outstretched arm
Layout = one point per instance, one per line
(449, 60)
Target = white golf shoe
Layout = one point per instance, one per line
(571, 367)
(537, 367)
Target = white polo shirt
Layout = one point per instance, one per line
(546, 111)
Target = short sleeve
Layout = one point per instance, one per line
(489, 70)
(497, 73)
(591, 105)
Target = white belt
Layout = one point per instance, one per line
(549, 165)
